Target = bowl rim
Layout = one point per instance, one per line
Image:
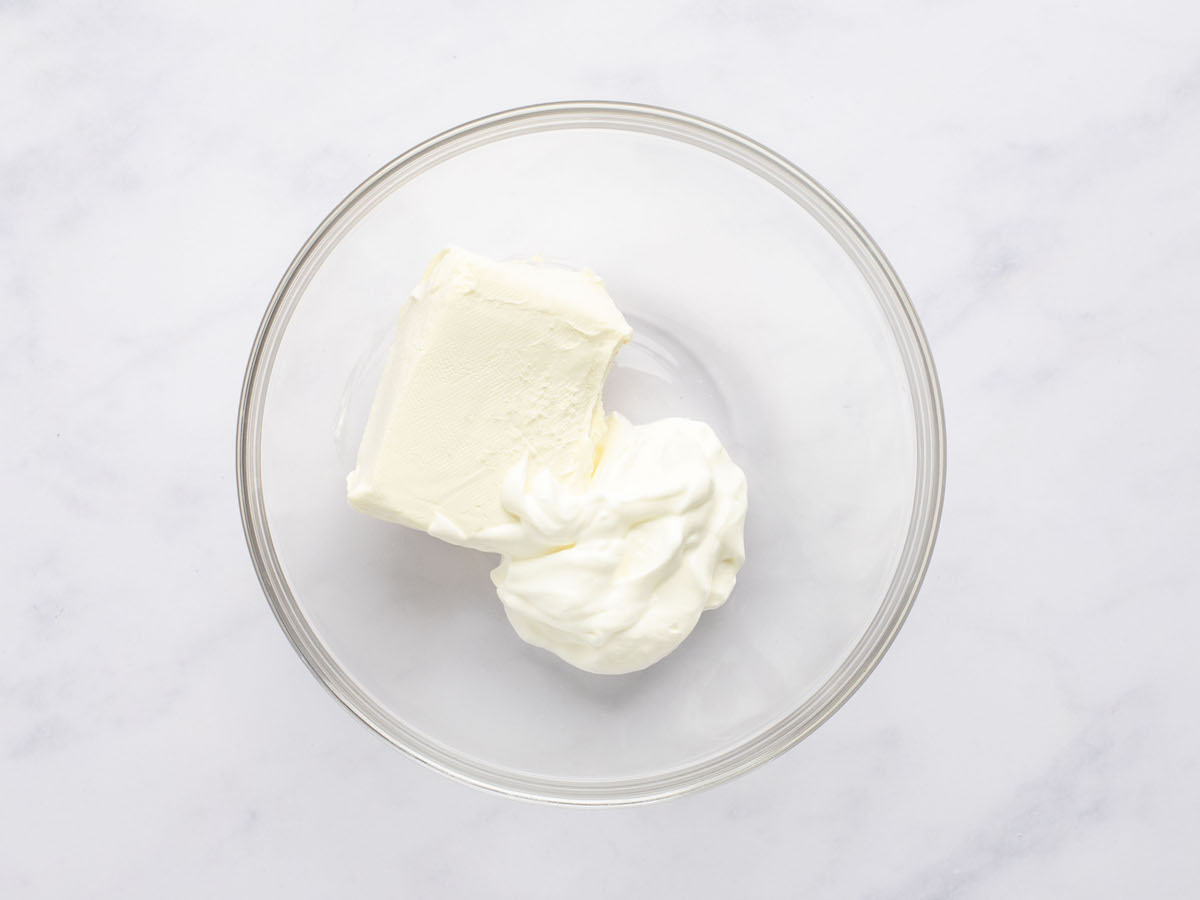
(929, 489)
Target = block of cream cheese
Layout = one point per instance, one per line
(493, 364)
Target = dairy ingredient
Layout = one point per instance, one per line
(613, 578)
(487, 431)
(492, 362)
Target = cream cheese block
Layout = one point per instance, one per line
(493, 364)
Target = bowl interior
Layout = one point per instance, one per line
(748, 314)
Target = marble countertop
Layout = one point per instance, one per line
(1031, 170)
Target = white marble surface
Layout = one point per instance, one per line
(1031, 169)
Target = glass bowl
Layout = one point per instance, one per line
(759, 306)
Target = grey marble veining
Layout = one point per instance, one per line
(1030, 168)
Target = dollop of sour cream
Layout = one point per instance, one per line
(613, 577)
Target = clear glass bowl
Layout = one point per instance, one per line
(759, 305)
